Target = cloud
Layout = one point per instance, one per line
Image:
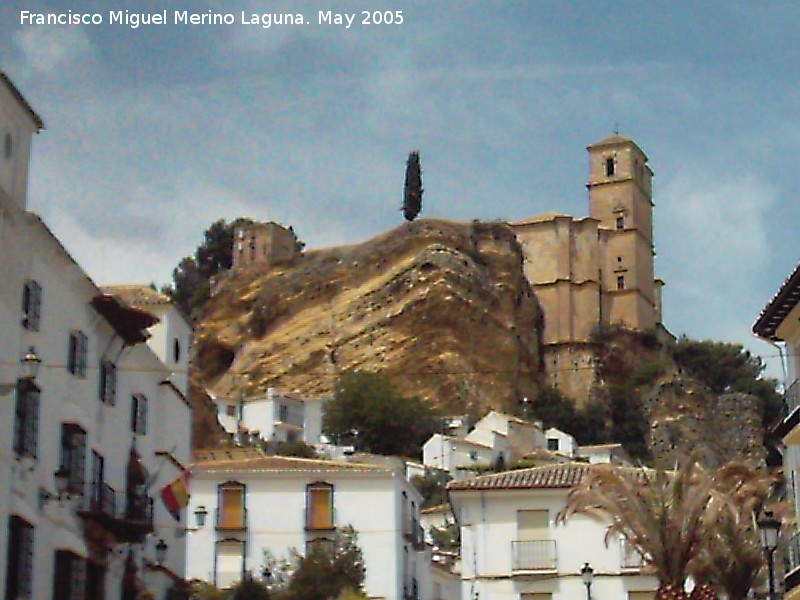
(51, 50)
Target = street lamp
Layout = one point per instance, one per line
(769, 529)
(587, 574)
(200, 514)
(30, 364)
(29, 369)
(161, 552)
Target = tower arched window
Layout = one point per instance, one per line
(611, 166)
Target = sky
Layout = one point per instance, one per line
(152, 133)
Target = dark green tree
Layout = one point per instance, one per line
(725, 367)
(432, 487)
(250, 589)
(412, 195)
(297, 448)
(191, 279)
(324, 572)
(369, 413)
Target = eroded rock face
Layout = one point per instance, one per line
(686, 417)
(443, 308)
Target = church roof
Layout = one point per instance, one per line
(616, 140)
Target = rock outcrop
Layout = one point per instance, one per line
(443, 308)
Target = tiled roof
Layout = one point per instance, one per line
(550, 477)
(137, 295)
(261, 464)
(779, 307)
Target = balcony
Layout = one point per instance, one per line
(128, 517)
(532, 556)
(413, 531)
(231, 520)
(790, 414)
(792, 561)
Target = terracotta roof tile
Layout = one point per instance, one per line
(137, 295)
(212, 464)
(781, 304)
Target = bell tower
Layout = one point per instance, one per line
(620, 198)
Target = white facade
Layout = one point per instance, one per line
(60, 421)
(257, 504)
(496, 439)
(561, 442)
(511, 546)
(614, 454)
(273, 417)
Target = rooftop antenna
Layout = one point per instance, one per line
(616, 128)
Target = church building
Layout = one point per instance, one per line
(595, 270)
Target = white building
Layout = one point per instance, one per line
(103, 419)
(273, 417)
(614, 454)
(171, 337)
(257, 504)
(511, 547)
(561, 442)
(779, 324)
(496, 440)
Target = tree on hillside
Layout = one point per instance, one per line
(412, 195)
(191, 286)
(725, 368)
(368, 412)
(554, 409)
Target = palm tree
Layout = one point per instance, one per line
(658, 514)
(731, 556)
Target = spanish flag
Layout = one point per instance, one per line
(175, 495)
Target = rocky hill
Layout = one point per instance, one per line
(443, 308)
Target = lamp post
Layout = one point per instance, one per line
(161, 552)
(200, 515)
(769, 529)
(31, 362)
(587, 574)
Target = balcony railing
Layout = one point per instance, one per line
(413, 531)
(126, 515)
(411, 590)
(792, 556)
(232, 520)
(791, 397)
(533, 555)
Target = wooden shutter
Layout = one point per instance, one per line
(320, 507)
(232, 507)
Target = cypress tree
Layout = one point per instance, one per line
(412, 196)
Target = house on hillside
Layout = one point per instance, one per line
(497, 439)
(273, 417)
(265, 243)
(779, 323)
(170, 337)
(253, 506)
(511, 547)
(89, 437)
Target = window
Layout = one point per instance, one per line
(552, 444)
(231, 512)
(230, 410)
(98, 479)
(69, 577)
(73, 456)
(19, 571)
(76, 360)
(229, 563)
(620, 282)
(26, 422)
(319, 506)
(611, 166)
(31, 305)
(139, 414)
(283, 413)
(8, 146)
(176, 350)
(620, 222)
(108, 382)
